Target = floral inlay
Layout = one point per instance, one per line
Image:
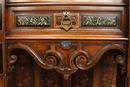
(110, 72)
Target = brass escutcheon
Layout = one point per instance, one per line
(67, 21)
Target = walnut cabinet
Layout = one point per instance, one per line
(63, 43)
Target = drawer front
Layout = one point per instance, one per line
(66, 21)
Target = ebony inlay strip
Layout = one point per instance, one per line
(0, 16)
(99, 20)
(33, 20)
(1, 60)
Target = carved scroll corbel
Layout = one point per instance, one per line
(79, 60)
(10, 62)
(120, 59)
(52, 59)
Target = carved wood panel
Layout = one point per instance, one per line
(66, 57)
(103, 74)
(81, 21)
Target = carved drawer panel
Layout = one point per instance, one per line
(66, 21)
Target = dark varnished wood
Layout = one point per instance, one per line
(51, 56)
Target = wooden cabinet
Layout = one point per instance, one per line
(56, 43)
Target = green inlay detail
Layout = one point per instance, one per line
(99, 20)
(33, 20)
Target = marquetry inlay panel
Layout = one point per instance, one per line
(33, 20)
(109, 71)
(99, 20)
(51, 78)
(82, 78)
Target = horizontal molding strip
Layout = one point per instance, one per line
(60, 3)
(67, 37)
